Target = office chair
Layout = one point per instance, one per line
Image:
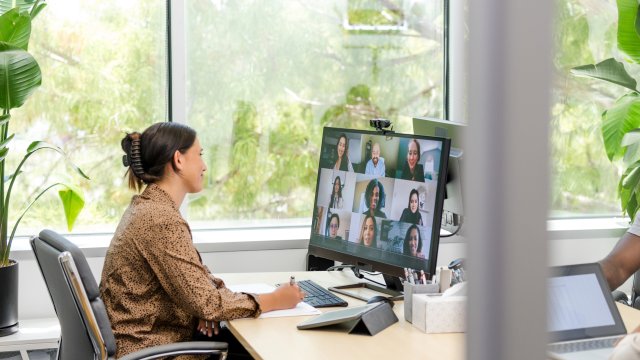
(84, 325)
(634, 301)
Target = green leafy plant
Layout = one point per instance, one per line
(621, 122)
(20, 76)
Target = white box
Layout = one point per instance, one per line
(437, 314)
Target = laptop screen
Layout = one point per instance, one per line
(581, 305)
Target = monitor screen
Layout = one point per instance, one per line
(379, 199)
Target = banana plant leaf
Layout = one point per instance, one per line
(15, 28)
(628, 38)
(20, 76)
(22, 5)
(608, 70)
(73, 202)
(621, 118)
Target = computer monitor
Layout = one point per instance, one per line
(453, 209)
(379, 199)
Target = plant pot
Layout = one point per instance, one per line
(9, 299)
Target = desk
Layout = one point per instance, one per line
(278, 338)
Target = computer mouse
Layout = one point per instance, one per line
(380, 298)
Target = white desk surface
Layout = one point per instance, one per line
(278, 338)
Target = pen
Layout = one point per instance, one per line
(292, 280)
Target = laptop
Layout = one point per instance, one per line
(583, 320)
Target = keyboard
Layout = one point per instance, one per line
(583, 345)
(317, 296)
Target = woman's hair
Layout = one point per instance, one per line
(413, 191)
(375, 230)
(417, 146)
(407, 248)
(334, 215)
(369, 193)
(346, 146)
(147, 154)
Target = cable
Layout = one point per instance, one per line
(453, 233)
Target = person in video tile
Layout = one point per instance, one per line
(333, 226)
(336, 194)
(374, 197)
(413, 242)
(411, 169)
(411, 214)
(375, 166)
(368, 231)
(342, 154)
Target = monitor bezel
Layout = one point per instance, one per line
(383, 267)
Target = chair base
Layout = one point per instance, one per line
(8, 330)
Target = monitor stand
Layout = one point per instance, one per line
(363, 291)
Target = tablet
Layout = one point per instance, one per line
(336, 317)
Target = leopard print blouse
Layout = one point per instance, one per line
(154, 285)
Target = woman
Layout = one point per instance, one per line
(374, 197)
(342, 154)
(336, 194)
(411, 214)
(155, 288)
(411, 169)
(368, 231)
(413, 242)
(333, 227)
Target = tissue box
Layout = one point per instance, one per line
(437, 314)
(410, 290)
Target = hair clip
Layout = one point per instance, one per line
(125, 160)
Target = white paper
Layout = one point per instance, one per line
(301, 309)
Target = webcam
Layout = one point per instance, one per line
(381, 125)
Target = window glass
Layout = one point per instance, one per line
(264, 78)
(584, 181)
(104, 71)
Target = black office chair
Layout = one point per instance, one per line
(634, 301)
(85, 327)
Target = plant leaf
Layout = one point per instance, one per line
(628, 38)
(631, 137)
(20, 76)
(609, 70)
(37, 145)
(631, 180)
(15, 28)
(73, 202)
(6, 141)
(621, 118)
(23, 5)
(36, 10)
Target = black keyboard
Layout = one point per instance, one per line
(317, 296)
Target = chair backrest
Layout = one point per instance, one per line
(85, 328)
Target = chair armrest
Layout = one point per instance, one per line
(181, 348)
(619, 296)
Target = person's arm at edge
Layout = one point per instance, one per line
(622, 261)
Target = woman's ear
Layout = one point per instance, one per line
(178, 160)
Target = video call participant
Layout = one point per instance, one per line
(411, 170)
(333, 226)
(342, 154)
(411, 214)
(413, 242)
(336, 194)
(368, 232)
(154, 286)
(374, 198)
(375, 166)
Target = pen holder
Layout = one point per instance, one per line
(411, 289)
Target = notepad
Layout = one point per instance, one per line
(302, 309)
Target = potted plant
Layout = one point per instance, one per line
(621, 122)
(20, 76)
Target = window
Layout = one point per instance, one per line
(264, 78)
(584, 181)
(104, 71)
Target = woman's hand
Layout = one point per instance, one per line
(286, 296)
(208, 328)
